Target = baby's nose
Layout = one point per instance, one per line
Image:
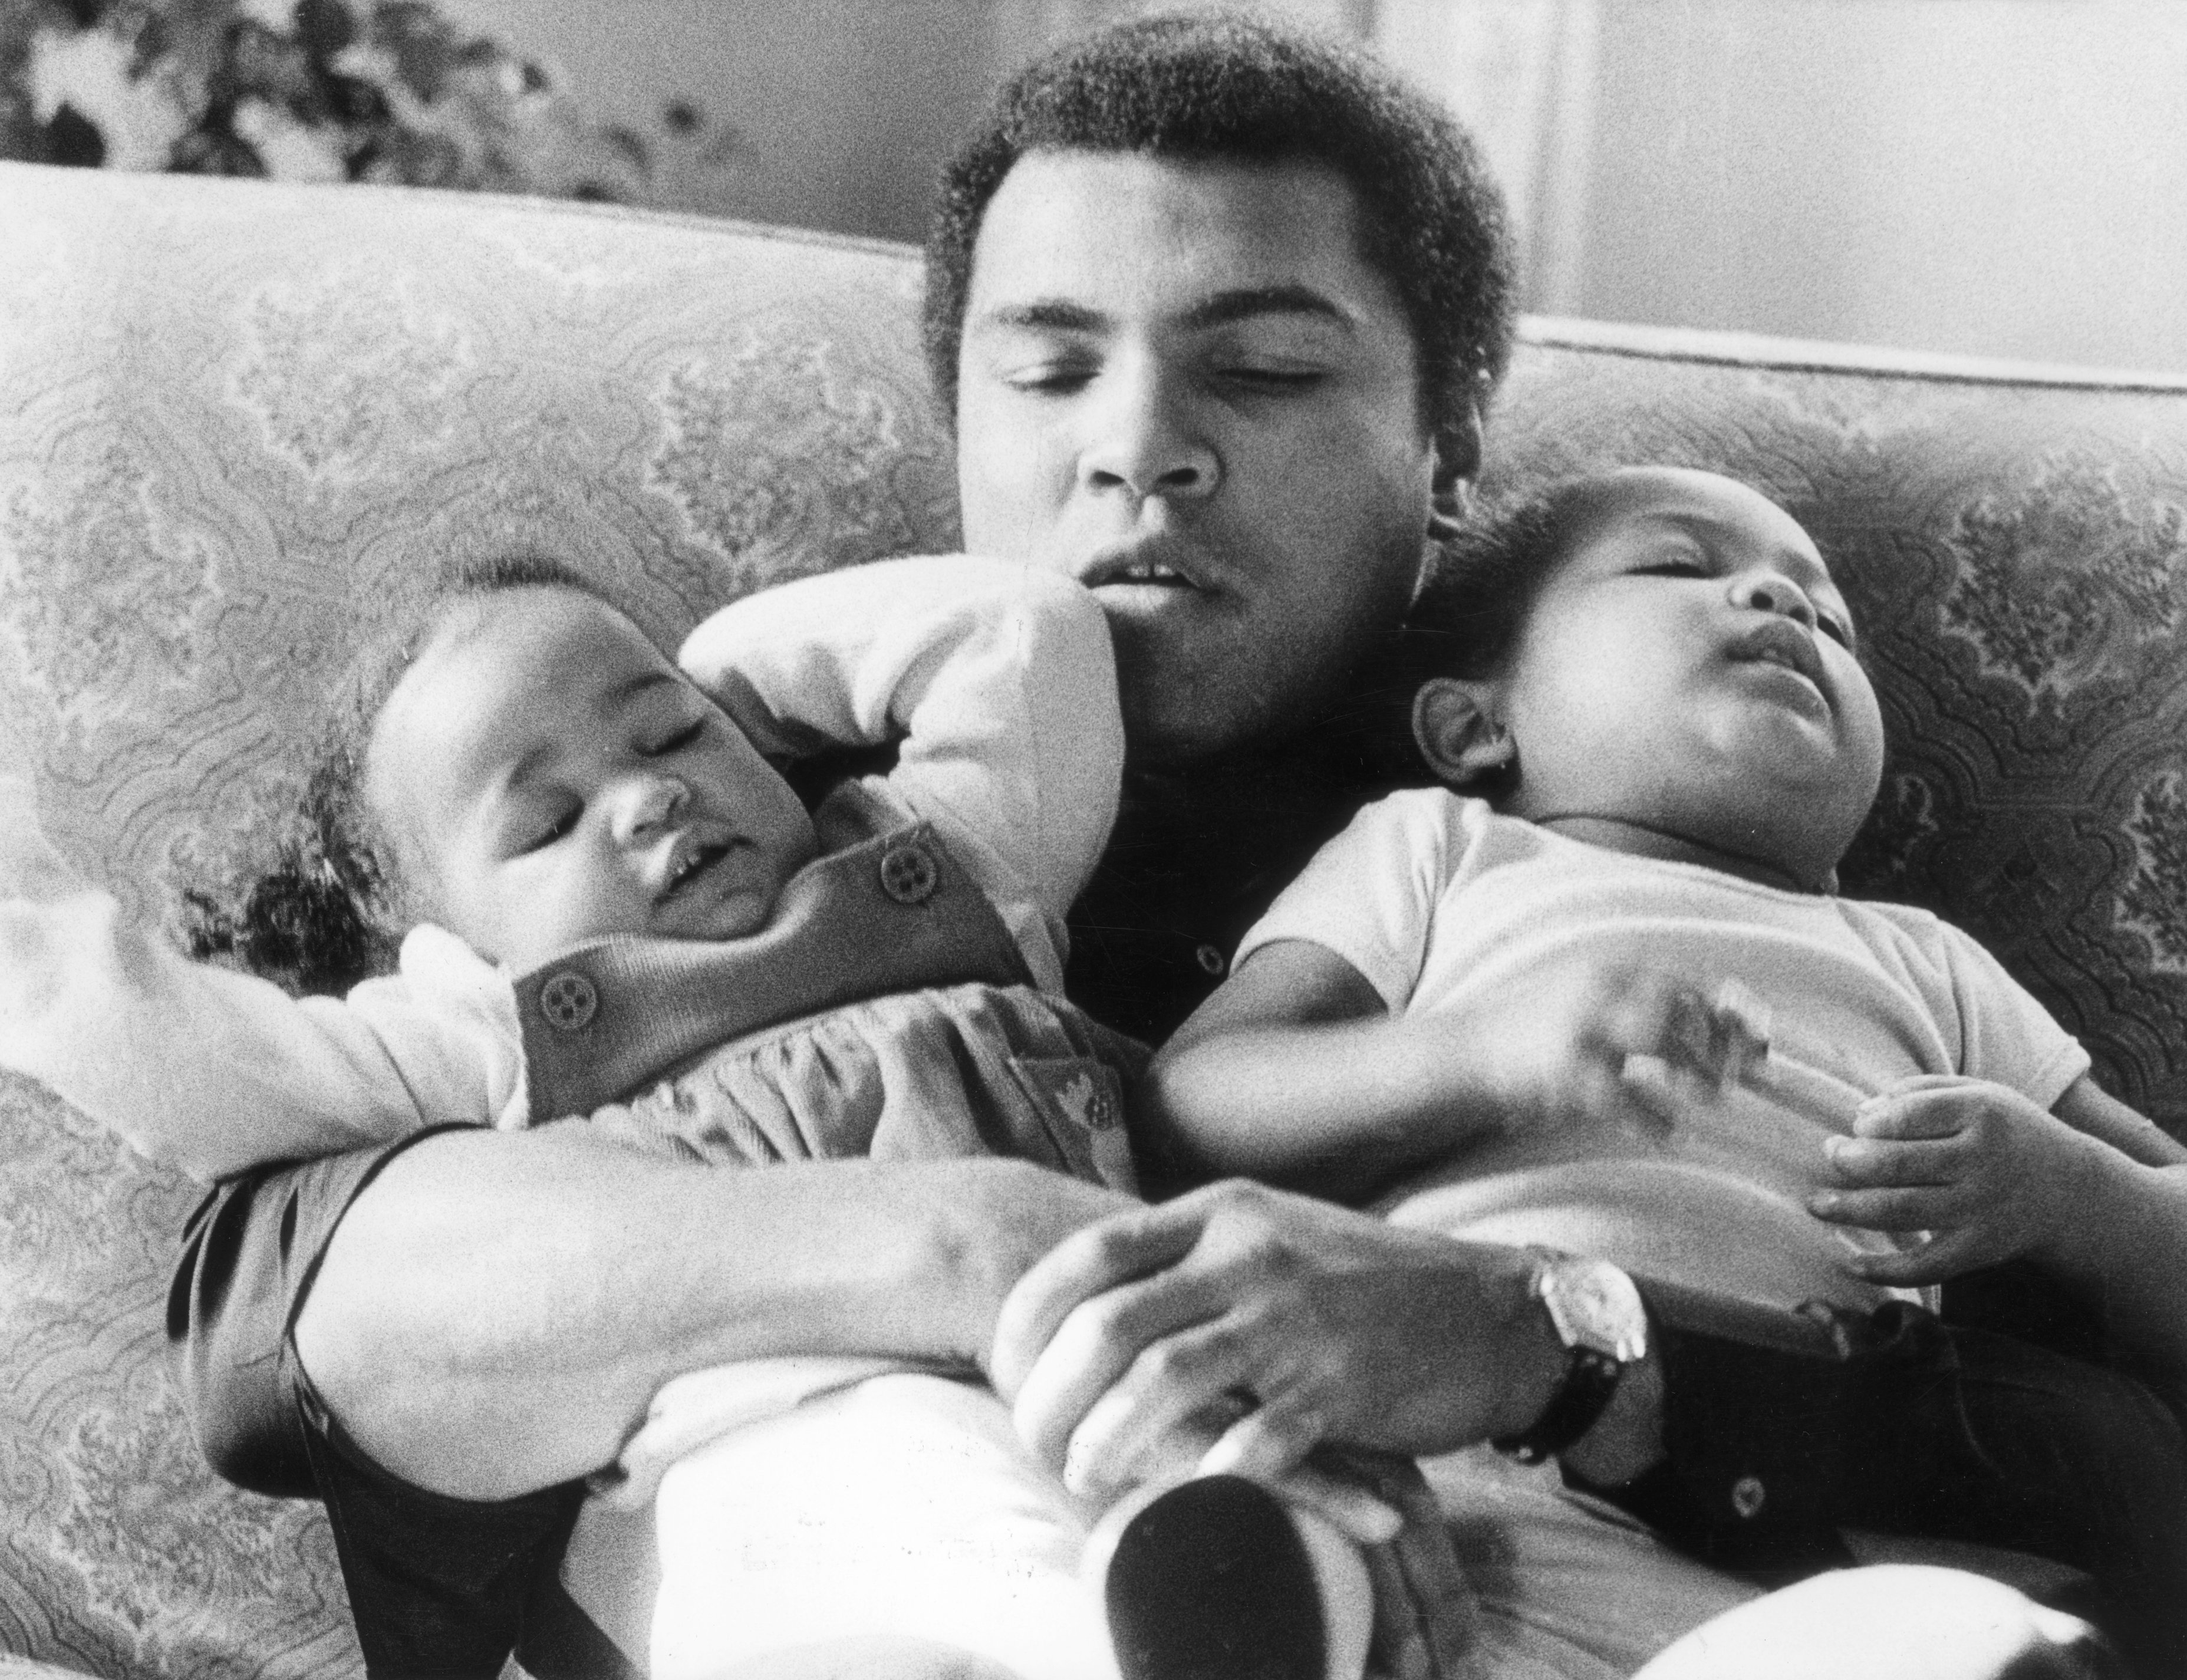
(1772, 591)
(646, 802)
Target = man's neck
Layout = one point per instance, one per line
(1202, 849)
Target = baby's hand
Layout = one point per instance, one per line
(1634, 1047)
(1981, 1168)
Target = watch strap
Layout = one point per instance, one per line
(1590, 1379)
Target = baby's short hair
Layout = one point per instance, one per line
(1481, 583)
(326, 906)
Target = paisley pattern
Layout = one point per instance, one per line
(234, 417)
(231, 422)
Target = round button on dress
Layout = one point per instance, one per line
(909, 873)
(569, 1001)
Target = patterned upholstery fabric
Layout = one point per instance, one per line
(229, 421)
(233, 417)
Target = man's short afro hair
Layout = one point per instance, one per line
(1205, 86)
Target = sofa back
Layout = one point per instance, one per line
(234, 415)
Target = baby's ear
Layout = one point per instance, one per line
(1461, 740)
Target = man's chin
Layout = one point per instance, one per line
(1168, 729)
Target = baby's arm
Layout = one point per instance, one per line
(2091, 1189)
(1295, 1071)
(996, 679)
(212, 1070)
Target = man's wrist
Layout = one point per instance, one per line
(1006, 1217)
(1601, 1411)
(1531, 1366)
(1627, 1439)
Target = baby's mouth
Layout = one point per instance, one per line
(692, 859)
(1788, 648)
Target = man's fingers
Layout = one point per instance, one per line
(1088, 1263)
(1095, 1350)
(1269, 1441)
(1346, 1505)
(1270, 1444)
(1129, 1432)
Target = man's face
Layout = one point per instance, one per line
(1181, 385)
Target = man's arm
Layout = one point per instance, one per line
(495, 1311)
(1731, 1437)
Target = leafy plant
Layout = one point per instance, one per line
(315, 90)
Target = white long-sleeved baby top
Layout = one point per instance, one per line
(995, 681)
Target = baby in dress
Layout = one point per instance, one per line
(603, 899)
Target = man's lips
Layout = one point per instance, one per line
(1147, 564)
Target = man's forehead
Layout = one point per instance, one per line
(1076, 238)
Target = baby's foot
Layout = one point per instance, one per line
(1218, 1579)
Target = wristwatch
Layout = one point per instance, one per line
(1599, 1317)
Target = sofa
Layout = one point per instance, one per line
(232, 412)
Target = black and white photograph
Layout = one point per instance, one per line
(1076, 840)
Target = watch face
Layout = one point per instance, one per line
(1594, 1304)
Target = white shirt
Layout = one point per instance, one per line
(1448, 909)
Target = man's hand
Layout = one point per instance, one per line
(1984, 1171)
(1120, 1346)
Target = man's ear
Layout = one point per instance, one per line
(1457, 446)
(1456, 733)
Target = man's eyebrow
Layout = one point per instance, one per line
(1050, 314)
(1244, 303)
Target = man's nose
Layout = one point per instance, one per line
(1143, 439)
(644, 802)
(1771, 590)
